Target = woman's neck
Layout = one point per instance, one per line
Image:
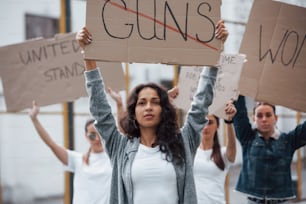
(267, 135)
(148, 137)
(96, 149)
(206, 144)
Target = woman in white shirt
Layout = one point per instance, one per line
(92, 171)
(212, 161)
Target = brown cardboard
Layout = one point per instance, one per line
(55, 75)
(226, 86)
(278, 78)
(110, 25)
(227, 81)
(187, 85)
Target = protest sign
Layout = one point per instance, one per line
(49, 71)
(187, 85)
(226, 85)
(274, 42)
(227, 82)
(166, 31)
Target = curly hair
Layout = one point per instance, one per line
(168, 137)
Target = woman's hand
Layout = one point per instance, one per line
(221, 31)
(115, 96)
(230, 110)
(83, 37)
(34, 111)
(173, 93)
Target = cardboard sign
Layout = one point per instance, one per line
(165, 31)
(187, 85)
(49, 71)
(226, 85)
(274, 42)
(227, 82)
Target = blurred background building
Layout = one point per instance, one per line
(29, 172)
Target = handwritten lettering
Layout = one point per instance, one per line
(59, 73)
(193, 74)
(48, 51)
(290, 47)
(227, 59)
(160, 34)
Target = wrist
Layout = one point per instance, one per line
(229, 121)
(90, 64)
(33, 118)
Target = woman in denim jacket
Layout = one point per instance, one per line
(153, 163)
(265, 175)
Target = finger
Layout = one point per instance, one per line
(220, 23)
(228, 106)
(224, 37)
(84, 38)
(86, 31)
(221, 33)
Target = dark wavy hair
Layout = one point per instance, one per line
(216, 149)
(167, 131)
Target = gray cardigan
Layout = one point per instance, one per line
(122, 150)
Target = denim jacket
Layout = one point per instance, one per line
(122, 150)
(266, 167)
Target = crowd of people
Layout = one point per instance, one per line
(145, 157)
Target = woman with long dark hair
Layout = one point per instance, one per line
(212, 161)
(154, 162)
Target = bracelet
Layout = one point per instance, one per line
(228, 121)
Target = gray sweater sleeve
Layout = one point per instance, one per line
(101, 111)
(196, 116)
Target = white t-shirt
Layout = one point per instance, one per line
(209, 179)
(153, 178)
(91, 184)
